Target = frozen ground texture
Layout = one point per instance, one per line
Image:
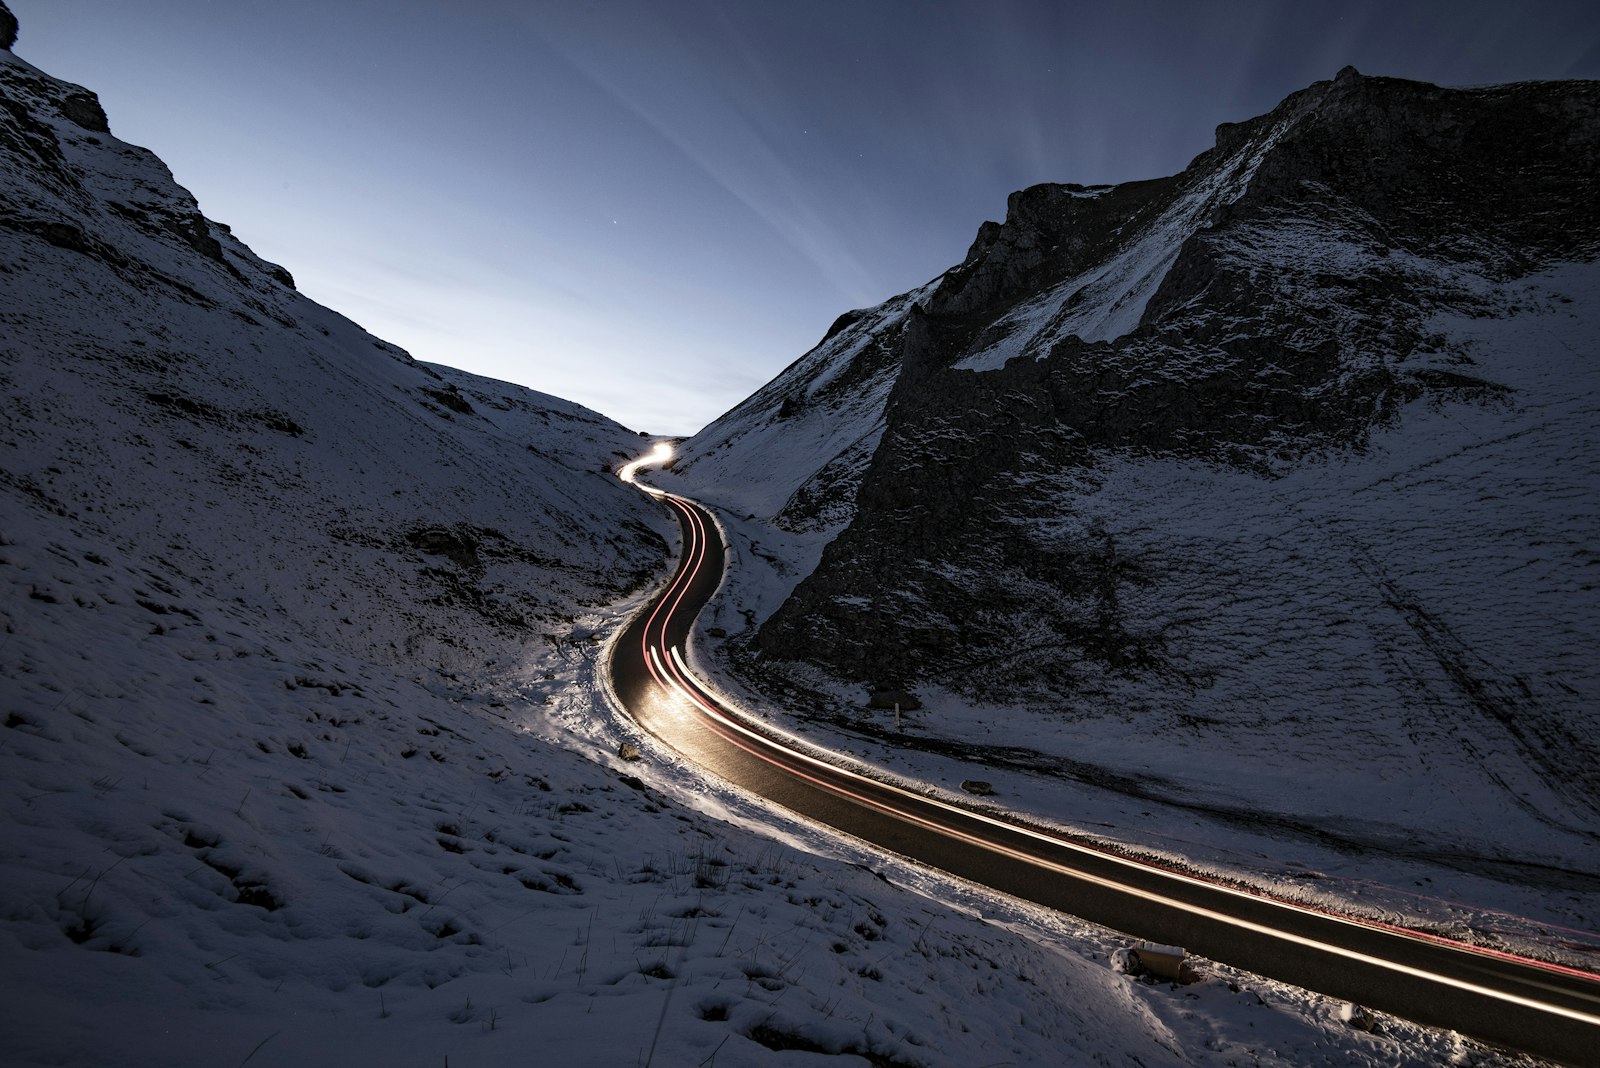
(302, 757)
(1250, 513)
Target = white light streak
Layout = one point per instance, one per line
(661, 454)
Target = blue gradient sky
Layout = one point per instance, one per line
(652, 208)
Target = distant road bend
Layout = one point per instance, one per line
(1545, 1009)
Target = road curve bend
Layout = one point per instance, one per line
(1544, 1009)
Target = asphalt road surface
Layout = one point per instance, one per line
(1539, 1008)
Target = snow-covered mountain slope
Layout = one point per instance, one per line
(1266, 490)
(300, 763)
(794, 450)
(169, 389)
(1108, 297)
(783, 466)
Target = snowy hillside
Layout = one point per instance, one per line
(1250, 511)
(794, 451)
(783, 466)
(169, 389)
(304, 759)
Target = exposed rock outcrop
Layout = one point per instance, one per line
(85, 110)
(1290, 448)
(1268, 305)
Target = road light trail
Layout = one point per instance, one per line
(1496, 996)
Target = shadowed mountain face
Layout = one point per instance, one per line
(1247, 442)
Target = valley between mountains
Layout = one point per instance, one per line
(1244, 517)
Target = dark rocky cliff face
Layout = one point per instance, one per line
(1306, 255)
(8, 28)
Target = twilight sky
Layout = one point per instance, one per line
(652, 206)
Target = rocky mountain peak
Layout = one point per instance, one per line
(1292, 451)
(1296, 405)
(1050, 231)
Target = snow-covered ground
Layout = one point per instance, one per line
(1298, 607)
(1359, 644)
(304, 759)
(226, 846)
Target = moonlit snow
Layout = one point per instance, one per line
(306, 759)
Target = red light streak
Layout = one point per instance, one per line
(667, 668)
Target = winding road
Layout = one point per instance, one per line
(1540, 1008)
